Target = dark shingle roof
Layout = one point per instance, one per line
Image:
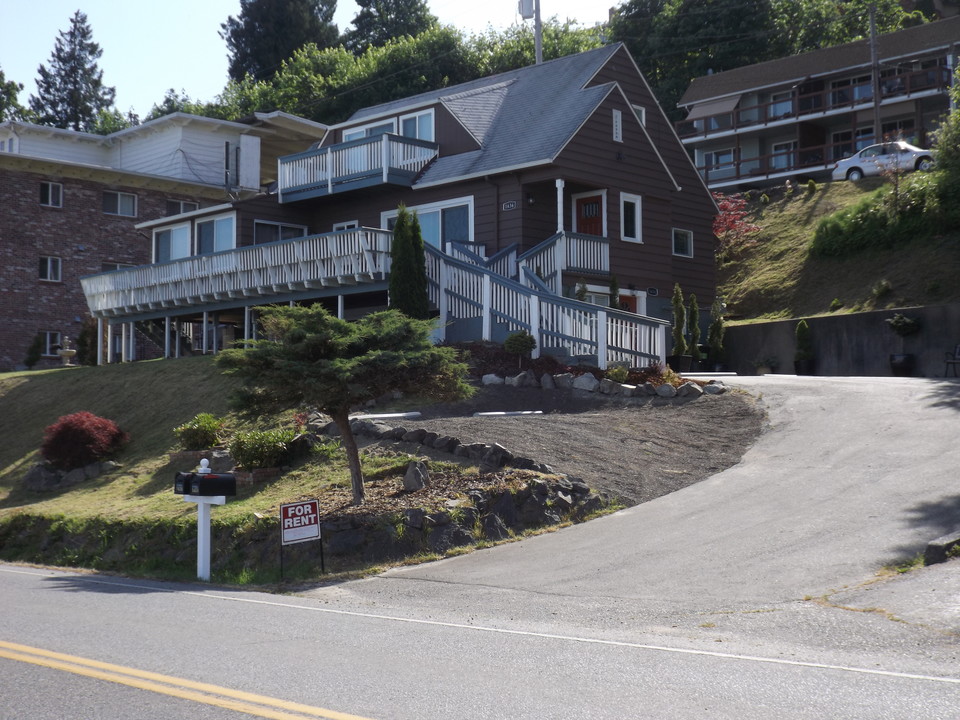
(900, 44)
(521, 117)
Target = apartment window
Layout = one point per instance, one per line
(268, 232)
(51, 194)
(781, 105)
(899, 130)
(111, 266)
(120, 203)
(631, 217)
(850, 90)
(50, 268)
(51, 342)
(440, 223)
(641, 114)
(617, 126)
(215, 235)
(864, 137)
(418, 125)
(682, 243)
(784, 155)
(178, 207)
(717, 161)
(171, 243)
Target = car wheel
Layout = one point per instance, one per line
(924, 164)
(855, 174)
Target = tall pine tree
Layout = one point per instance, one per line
(408, 268)
(382, 20)
(267, 32)
(71, 93)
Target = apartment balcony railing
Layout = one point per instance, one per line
(346, 257)
(384, 159)
(758, 167)
(837, 99)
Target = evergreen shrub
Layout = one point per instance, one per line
(202, 432)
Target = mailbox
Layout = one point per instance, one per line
(188, 483)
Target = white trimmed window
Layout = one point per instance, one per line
(265, 231)
(418, 125)
(346, 225)
(171, 243)
(371, 130)
(119, 203)
(440, 222)
(178, 207)
(631, 218)
(51, 194)
(641, 113)
(682, 242)
(51, 342)
(215, 235)
(617, 126)
(50, 268)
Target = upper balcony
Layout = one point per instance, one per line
(839, 99)
(379, 160)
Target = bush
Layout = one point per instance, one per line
(619, 374)
(200, 433)
(261, 448)
(520, 344)
(74, 441)
(34, 352)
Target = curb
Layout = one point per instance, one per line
(937, 550)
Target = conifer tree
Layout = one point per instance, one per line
(408, 268)
(379, 21)
(71, 93)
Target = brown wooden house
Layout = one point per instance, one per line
(529, 186)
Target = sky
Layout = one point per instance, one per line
(150, 47)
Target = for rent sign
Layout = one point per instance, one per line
(300, 521)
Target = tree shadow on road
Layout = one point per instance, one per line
(939, 516)
(945, 394)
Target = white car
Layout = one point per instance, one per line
(873, 160)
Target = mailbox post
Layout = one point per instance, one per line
(205, 489)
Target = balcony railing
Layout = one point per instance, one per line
(385, 159)
(839, 99)
(567, 251)
(346, 257)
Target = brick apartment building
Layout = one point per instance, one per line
(72, 201)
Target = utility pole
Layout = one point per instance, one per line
(531, 9)
(875, 73)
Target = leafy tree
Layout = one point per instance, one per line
(111, 121)
(497, 51)
(10, 107)
(71, 92)
(174, 102)
(379, 21)
(267, 32)
(730, 225)
(331, 364)
(408, 272)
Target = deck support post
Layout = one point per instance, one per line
(100, 341)
(602, 339)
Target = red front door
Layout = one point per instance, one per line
(590, 215)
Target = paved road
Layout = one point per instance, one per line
(753, 594)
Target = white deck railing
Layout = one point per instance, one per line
(566, 251)
(377, 158)
(345, 257)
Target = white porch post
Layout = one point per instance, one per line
(124, 346)
(487, 319)
(442, 301)
(216, 333)
(133, 342)
(535, 324)
(206, 326)
(341, 306)
(166, 338)
(100, 341)
(247, 322)
(329, 173)
(109, 343)
(385, 155)
(602, 339)
(559, 182)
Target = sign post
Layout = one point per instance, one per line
(300, 522)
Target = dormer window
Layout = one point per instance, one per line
(418, 125)
(380, 128)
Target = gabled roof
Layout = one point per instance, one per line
(520, 118)
(900, 45)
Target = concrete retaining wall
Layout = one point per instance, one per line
(849, 344)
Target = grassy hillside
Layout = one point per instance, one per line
(776, 277)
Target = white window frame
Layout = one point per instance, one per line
(171, 228)
(673, 242)
(53, 189)
(617, 126)
(436, 206)
(275, 223)
(416, 116)
(214, 219)
(182, 203)
(713, 164)
(346, 225)
(120, 194)
(358, 133)
(603, 208)
(52, 267)
(784, 153)
(641, 113)
(51, 339)
(637, 217)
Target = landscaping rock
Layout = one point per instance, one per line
(586, 382)
(493, 528)
(564, 381)
(648, 388)
(491, 379)
(41, 478)
(547, 382)
(689, 389)
(666, 390)
(715, 388)
(414, 436)
(520, 380)
(416, 477)
(608, 386)
(450, 536)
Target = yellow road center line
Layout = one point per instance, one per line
(249, 703)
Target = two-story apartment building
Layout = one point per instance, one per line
(795, 117)
(72, 200)
(528, 185)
